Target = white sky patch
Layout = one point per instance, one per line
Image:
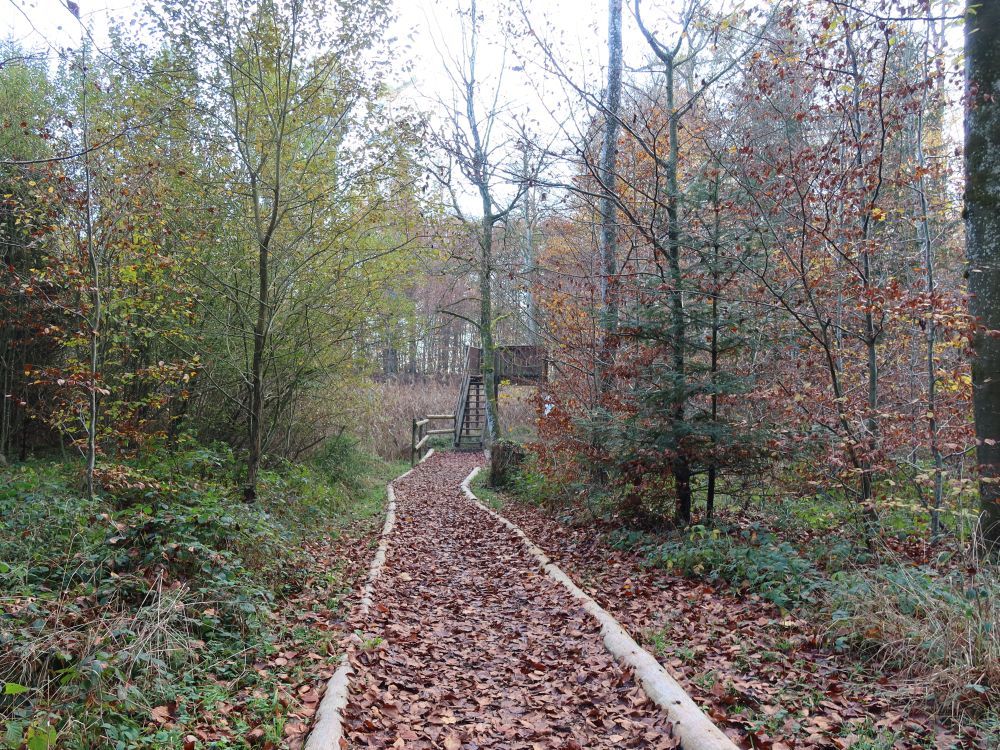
(511, 69)
(429, 36)
(531, 95)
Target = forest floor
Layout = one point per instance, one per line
(769, 678)
(469, 645)
(167, 613)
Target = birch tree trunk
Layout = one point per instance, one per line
(926, 243)
(96, 301)
(481, 178)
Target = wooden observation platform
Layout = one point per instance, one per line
(516, 365)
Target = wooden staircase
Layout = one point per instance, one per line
(470, 416)
(521, 365)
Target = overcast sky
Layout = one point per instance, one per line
(427, 27)
(428, 32)
(429, 35)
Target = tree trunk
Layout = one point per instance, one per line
(982, 223)
(530, 260)
(714, 346)
(678, 328)
(488, 360)
(96, 312)
(924, 237)
(481, 179)
(257, 376)
(608, 168)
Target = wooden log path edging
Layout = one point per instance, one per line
(328, 728)
(695, 729)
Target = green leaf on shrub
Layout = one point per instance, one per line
(12, 688)
(41, 739)
(14, 733)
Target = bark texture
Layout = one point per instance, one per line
(982, 223)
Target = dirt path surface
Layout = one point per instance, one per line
(470, 646)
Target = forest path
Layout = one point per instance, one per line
(470, 645)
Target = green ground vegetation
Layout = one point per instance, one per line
(166, 592)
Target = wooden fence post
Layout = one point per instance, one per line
(420, 434)
(413, 444)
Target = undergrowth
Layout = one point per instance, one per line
(749, 559)
(922, 611)
(160, 594)
(940, 629)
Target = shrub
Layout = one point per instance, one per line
(751, 559)
(940, 628)
(116, 604)
(106, 597)
(341, 459)
(531, 485)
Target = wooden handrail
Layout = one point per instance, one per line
(419, 435)
(463, 397)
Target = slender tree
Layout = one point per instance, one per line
(278, 93)
(666, 229)
(608, 239)
(471, 143)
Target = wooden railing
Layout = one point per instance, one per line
(518, 365)
(420, 435)
(471, 368)
(463, 396)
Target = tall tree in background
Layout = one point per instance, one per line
(95, 318)
(608, 238)
(829, 162)
(25, 98)
(930, 115)
(471, 142)
(668, 56)
(982, 210)
(101, 305)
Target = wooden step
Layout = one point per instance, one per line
(471, 433)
